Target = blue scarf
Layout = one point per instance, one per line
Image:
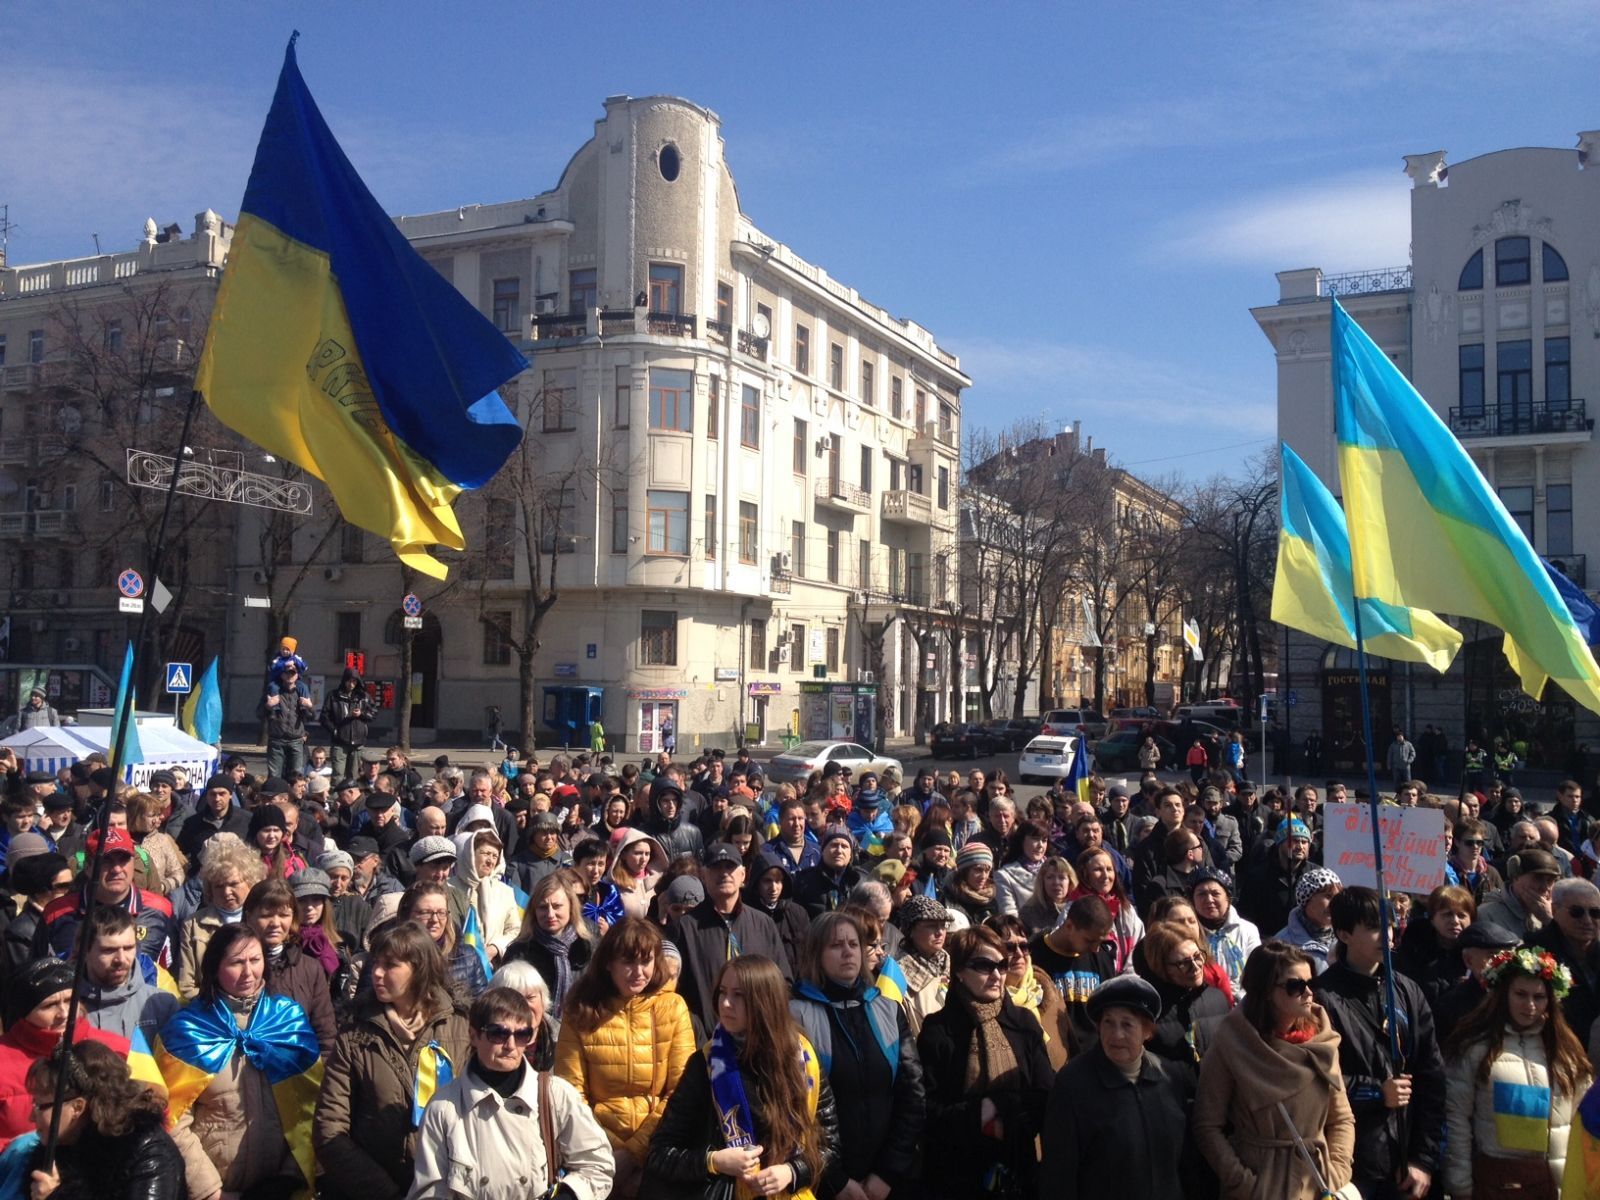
(727, 1091)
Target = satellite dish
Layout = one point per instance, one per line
(761, 327)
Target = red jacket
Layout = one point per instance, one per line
(20, 1046)
(152, 919)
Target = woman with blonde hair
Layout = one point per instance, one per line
(637, 864)
(228, 870)
(554, 936)
(1054, 882)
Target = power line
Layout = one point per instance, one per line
(1192, 453)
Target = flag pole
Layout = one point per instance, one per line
(102, 820)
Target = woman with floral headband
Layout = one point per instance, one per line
(1516, 1074)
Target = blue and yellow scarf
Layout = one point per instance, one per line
(734, 1120)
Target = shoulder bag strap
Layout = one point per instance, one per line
(547, 1130)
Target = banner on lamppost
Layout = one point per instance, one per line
(1191, 639)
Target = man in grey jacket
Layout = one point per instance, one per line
(116, 996)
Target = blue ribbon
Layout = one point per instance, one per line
(609, 909)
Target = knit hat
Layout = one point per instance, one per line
(317, 785)
(32, 984)
(935, 837)
(163, 776)
(336, 860)
(1125, 991)
(25, 846)
(431, 849)
(1312, 882)
(834, 833)
(974, 854)
(1211, 875)
(921, 908)
(268, 816)
(1292, 828)
(890, 871)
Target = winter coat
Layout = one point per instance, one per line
(300, 977)
(1504, 911)
(966, 905)
(531, 950)
(958, 1155)
(194, 935)
(925, 987)
(19, 1047)
(677, 837)
(1188, 1021)
(1582, 1005)
(142, 1164)
(1230, 944)
(626, 1068)
(1316, 946)
(810, 854)
(820, 889)
(1386, 1138)
(793, 922)
(1038, 994)
(1266, 887)
(475, 1142)
(636, 896)
(1013, 885)
(1472, 1127)
(704, 941)
(168, 869)
(362, 1130)
(689, 1130)
(1243, 1079)
(1427, 962)
(1108, 1136)
(19, 936)
(201, 827)
(152, 919)
(136, 1004)
(1040, 916)
(347, 718)
(286, 720)
(499, 918)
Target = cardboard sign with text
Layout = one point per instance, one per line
(1413, 846)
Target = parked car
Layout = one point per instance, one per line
(963, 740)
(1119, 751)
(1013, 733)
(1046, 759)
(793, 766)
(1171, 731)
(1077, 722)
(1143, 714)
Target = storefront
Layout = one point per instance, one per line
(831, 712)
(656, 725)
(758, 720)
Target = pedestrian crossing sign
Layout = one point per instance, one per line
(180, 678)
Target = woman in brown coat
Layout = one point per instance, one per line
(1277, 1048)
(270, 910)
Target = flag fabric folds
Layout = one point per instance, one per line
(129, 750)
(335, 346)
(202, 711)
(1078, 776)
(1426, 530)
(472, 935)
(1313, 592)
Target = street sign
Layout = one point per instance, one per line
(411, 622)
(130, 604)
(180, 678)
(258, 601)
(412, 607)
(567, 670)
(1293, 698)
(131, 584)
(160, 596)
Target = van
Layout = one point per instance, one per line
(1228, 716)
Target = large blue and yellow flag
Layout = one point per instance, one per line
(333, 345)
(1313, 592)
(1428, 532)
(1077, 780)
(202, 711)
(130, 750)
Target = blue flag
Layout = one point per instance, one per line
(129, 751)
(202, 712)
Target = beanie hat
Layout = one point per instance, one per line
(935, 837)
(1312, 882)
(33, 984)
(1211, 875)
(268, 816)
(1292, 828)
(25, 846)
(974, 854)
(834, 833)
(890, 871)
(336, 860)
(921, 908)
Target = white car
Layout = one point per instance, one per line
(1046, 758)
(793, 766)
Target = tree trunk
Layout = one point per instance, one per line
(527, 713)
(402, 698)
(1150, 669)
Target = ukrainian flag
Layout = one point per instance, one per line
(130, 750)
(333, 345)
(1313, 591)
(202, 711)
(472, 935)
(1078, 776)
(1426, 530)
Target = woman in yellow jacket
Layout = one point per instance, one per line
(625, 1039)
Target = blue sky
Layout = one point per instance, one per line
(1082, 201)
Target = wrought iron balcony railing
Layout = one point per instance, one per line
(1367, 283)
(1514, 420)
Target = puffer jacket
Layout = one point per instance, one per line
(499, 917)
(362, 1131)
(626, 1068)
(231, 1137)
(1471, 1124)
(142, 1164)
(168, 869)
(677, 837)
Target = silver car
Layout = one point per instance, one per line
(794, 766)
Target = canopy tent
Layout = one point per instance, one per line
(165, 746)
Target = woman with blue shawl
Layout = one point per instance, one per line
(242, 1073)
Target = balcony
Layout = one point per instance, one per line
(551, 327)
(1566, 422)
(1573, 566)
(844, 496)
(30, 451)
(669, 324)
(719, 331)
(50, 523)
(934, 435)
(749, 343)
(616, 320)
(15, 525)
(907, 508)
(1367, 283)
(782, 585)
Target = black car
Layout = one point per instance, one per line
(961, 740)
(1119, 751)
(1013, 733)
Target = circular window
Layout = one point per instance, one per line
(668, 160)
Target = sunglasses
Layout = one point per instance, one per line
(1577, 912)
(1193, 960)
(504, 1033)
(985, 966)
(1296, 987)
(1017, 948)
(1472, 841)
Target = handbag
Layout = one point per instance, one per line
(1348, 1192)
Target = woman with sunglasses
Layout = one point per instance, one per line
(1273, 1063)
(1573, 940)
(1191, 1007)
(485, 1131)
(1031, 989)
(987, 1077)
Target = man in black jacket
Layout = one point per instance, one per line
(1270, 874)
(720, 927)
(827, 885)
(347, 716)
(1398, 1108)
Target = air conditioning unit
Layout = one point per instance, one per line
(259, 576)
(71, 645)
(782, 563)
(783, 654)
(566, 545)
(332, 574)
(866, 677)
(39, 624)
(823, 445)
(544, 304)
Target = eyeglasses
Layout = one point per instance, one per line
(985, 966)
(1578, 912)
(1196, 960)
(1296, 987)
(504, 1033)
(1472, 841)
(429, 914)
(1017, 949)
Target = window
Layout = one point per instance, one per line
(797, 649)
(725, 304)
(66, 568)
(1514, 381)
(1551, 264)
(668, 161)
(764, 311)
(36, 345)
(619, 521)
(896, 557)
(672, 399)
(864, 564)
(922, 411)
(750, 418)
(108, 498)
(114, 337)
(1472, 274)
(866, 468)
(668, 521)
(914, 478)
(1470, 359)
(1519, 503)
(711, 526)
(802, 349)
(836, 367)
(941, 579)
(347, 633)
(561, 400)
(833, 649)
(496, 638)
(714, 411)
(947, 422)
(1558, 518)
(833, 556)
(583, 290)
(658, 638)
(69, 497)
(666, 288)
(797, 548)
(894, 474)
(352, 541)
(1558, 373)
(1511, 261)
(748, 533)
(622, 406)
(507, 295)
(2, 349)
(869, 385)
(897, 398)
(758, 645)
(944, 487)
(499, 539)
(802, 440)
(916, 576)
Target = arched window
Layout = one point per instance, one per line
(1511, 262)
(1472, 274)
(1553, 266)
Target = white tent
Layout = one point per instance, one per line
(52, 747)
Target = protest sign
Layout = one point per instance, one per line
(1413, 846)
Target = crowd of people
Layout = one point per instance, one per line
(573, 979)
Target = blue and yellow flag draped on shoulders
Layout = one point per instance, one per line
(1428, 532)
(335, 346)
(199, 1041)
(1313, 591)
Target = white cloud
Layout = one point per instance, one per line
(1073, 140)
(1349, 222)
